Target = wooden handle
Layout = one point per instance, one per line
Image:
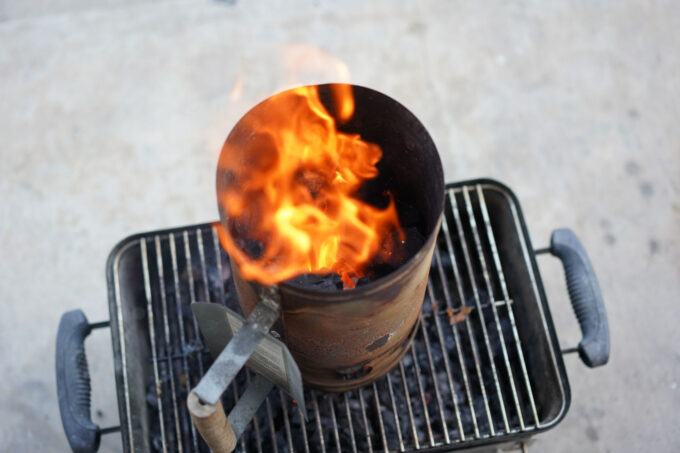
(212, 423)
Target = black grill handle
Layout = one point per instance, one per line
(586, 297)
(73, 382)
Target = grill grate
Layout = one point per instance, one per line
(464, 378)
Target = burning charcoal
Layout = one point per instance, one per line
(325, 282)
(364, 280)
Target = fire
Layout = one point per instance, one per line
(237, 89)
(289, 200)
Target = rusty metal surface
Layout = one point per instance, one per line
(345, 339)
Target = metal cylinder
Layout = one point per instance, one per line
(345, 339)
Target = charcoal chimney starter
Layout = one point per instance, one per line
(344, 339)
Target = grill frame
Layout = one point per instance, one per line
(128, 324)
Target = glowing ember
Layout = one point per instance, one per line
(289, 199)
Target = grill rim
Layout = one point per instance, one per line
(118, 324)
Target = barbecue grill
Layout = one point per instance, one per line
(485, 368)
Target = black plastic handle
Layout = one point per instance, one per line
(73, 383)
(585, 295)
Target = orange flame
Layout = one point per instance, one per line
(293, 175)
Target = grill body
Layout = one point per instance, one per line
(484, 367)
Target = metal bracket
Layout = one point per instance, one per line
(237, 352)
(235, 342)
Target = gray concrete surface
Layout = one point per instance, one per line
(112, 115)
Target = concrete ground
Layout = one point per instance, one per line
(112, 114)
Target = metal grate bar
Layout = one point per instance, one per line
(152, 339)
(336, 434)
(447, 366)
(256, 421)
(394, 412)
(350, 425)
(363, 413)
(193, 298)
(497, 303)
(286, 422)
(168, 340)
(220, 270)
(204, 267)
(180, 325)
(482, 320)
(383, 437)
(468, 324)
(421, 394)
(271, 425)
(430, 362)
(124, 368)
(305, 440)
(192, 289)
(317, 417)
(506, 297)
(489, 288)
(414, 430)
